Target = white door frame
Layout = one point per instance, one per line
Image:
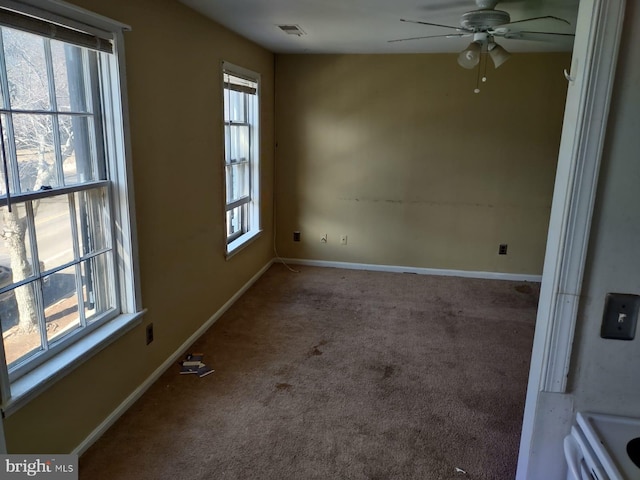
(590, 84)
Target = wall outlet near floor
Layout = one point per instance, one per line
(149, 333)
(502, 249)
(323, 238)
(343, 239)
(296, 236)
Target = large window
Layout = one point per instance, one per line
(65, 236)
(241, 159)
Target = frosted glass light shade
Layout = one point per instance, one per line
(498, 54)
(470, 56)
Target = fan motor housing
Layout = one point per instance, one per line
(479, 20)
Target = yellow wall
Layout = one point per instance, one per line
(174, 79)
(399, 154)
(394, 151)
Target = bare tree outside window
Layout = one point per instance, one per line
(49, 134)
(68, 257)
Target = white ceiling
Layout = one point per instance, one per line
(365, 26)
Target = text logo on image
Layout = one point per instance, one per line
(51, 467)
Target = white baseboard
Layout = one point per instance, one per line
(173, 358)
(518, 277)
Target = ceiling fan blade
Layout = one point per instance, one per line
(448, 35)
(538, 36)
(549, 33)
(432, 24)
(546, 17)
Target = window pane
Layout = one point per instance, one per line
(234, 106)
(76, 150)
(237, 220)
(60, 75)
(15, 248)
(60, 303)
(7, 151)
(236, 143)
(26, 70)
(237, 181)
(97, 286)
(35, 150)
(69, 74)
(91, 218)
(53, 231)
(19, 312)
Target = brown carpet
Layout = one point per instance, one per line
(340, 374)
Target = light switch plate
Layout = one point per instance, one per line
(620, 316)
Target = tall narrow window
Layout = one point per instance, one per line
(241, 159)
(65, 234)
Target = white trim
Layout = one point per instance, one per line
(517, 277)
(33, 383)
(131, 293)
(242, 242)
(593, 69)
(574, 201)
(173, 358)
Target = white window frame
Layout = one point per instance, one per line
(237, 242)
(17, 392)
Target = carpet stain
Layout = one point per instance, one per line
(315, 351)
(283, 386)
(523, 289)
(387, 371)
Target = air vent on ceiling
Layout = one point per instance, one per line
(291, 30)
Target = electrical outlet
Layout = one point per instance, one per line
(149, 333)
(296, 236)
(620, 316)
(343, 239)
(502, 249)
(323, 238)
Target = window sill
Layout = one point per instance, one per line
(241, 242)
(32, 384)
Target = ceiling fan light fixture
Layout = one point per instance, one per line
(498, 54)
(470, 56)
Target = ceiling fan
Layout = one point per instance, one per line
(485, 24)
